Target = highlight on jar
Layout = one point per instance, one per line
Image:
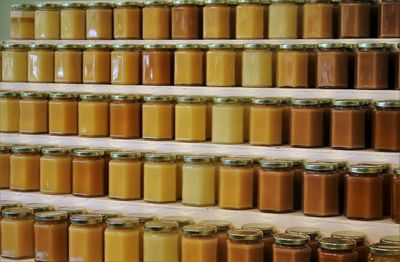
(209, 19)
(370, 66)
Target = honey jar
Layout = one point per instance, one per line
(218, 19)
(125, 65)
(125, 116)
(68, 64)
(96, 64)
(221, 65)
(189, 61)
(199, 242)
(41, 63)
(251, 19)
(47, 21)
(282, 19)
(73, 21)
(22, 21)
(257, 65)
(99, 20)
(33, 108)
(5, 167)
(14, 63)
(156, 19)
(185, 19)
(25, 168)
(190, 119)
(386, 125)
(127, 20)
(63, 114)
(245, 245)
(318, 19)
(158, 118)
(93, 115)
(9, 112)
(157, 65)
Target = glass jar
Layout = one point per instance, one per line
(199, 242)
(394, 239)
(55, 171)
(337, 249)
(189, 60)
(365, 179)
(291, 247)
(63, 114)
(257, 65)
(96, 64)
(4, 204)
(268, 231)
(121, 240)
(236, 175)
(250, 20)
(388, 19)
(9, 112)
(222, 228)
(385, 130)
(157, 65)
(18, 223)
(198, 176)
(307, 123)
(51, 236)
(245, 245)
(185, 19)
(41, 63)
(73, 21)
(99, 20)
(227, 120)
(283, 18)
(160, 176)
(334, 62)
(275, 186)
(125, 176)
(190, 119)
(221, 65)
(354, 19)
(396, 196)
(5, 167)
(88, 173)
(318, 19)
(314, 235)
(158, 118)
(320, 189)
(125, 65)
(384, 252)
(47, 21)
(127, 20)
(86, 238)
(22, 21)
(93, 115)
(361, 242)
(218, 19)
(68, 64)
(125, 113)
(372, 66)
(14, 63)
(156, 20)
(161, 236)
(25, 168)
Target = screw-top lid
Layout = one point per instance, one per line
(9, 94)
(198, 159)
(39, 207)
(320, 166)
(228, 100)
(90, 96)
(265, 101)
(56, 151)
(275, 163)
(88, 153)
(22, 7)
(334, 243)
(42, 46)
(125, 155)
(62, 95)
(305, 102)
(210, 2)
(256, 46)
(245, 234)
(347, 103)
(199, 230)
(21, 47)
(98, 46)
(143, 217)
(41, 6)
(71, 210)
(312, 232)
(16, 212)
(396, 171)
(291, 239)
(190, 46)
(385, 166)
(332, 46)
(388, 104)
(186, 2)
(128, 4)
(181, 220)
(161, 226)
(74, 5)
(122, 222)
(159, 157)
(100, 4)
(157, 46)
(106, 214)
(154, 98)
(395, 239)
(25, 149)
(190, 99)
(359, 237)
(236, 161)
(4, 148)
(221, 225)
(220, 46)
(9, 204)
(51, 216)
(364, 169)
(33, 95)
(341, 164)
(264, 227)
(385, 249)
(292, 46)
(86, 219)
(69, 47)
(122, 97)
(372, 46)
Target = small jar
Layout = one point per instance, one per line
(4, 204)
(118, 232)
(88, 173)
(372, 62)
(334, 62)
(158, 118)
(221, 65)
(5, 168)
(47, 21)
(283, 19)
(96, 64)
(275, 186)
(366, 179)
(396, 196)
(86, 238)
(25, 168)
(73, 21)
(218, 19)
(245, 245)
(68, 64)
(291, 247)
(160, 176)
(318, 19)
(189, 61)
(125, 176)
(190, 119)
(394, 239)
(157, 65)
(55, 171)
(41, 64)
(72, 210)
(361, 243)
(185, 19)
(227, 120)
(93, 117)
(127, 20)
(9, 112)
(199, 242)
(63, 114)
(198, 176)
(307, 123)
(51, 236)
(355, 19)
(388, 19)
(236, 175)
(321, 189)
(384, 252)
(222, 228)
(125, 65)
(22, 21)
(257, 65)
(161, 236)
(14, 63)
(268, 231)
(386, 135)
(17, 222)
(251, 19)
(125, 113)
(156, 20)
(99, 20)
(314, 235)
(337, 249)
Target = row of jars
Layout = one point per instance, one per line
(213, 19)
(341, 123)
(327, 65)
(44, 234)
(318, 188)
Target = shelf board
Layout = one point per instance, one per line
(208, 91)
(205, 148)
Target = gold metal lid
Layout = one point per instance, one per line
(359, 237)
(9, 94)
(388, 104)
(22, 7)
(334, 243)
(245, 234)
(86, 219)
(186, 2)
(372, 46)
(62, 95)
(39, 207)
(284, 1)
(332, 45)
(98, 46)
(181, 220)
(143, 217)
(265, 101)
(221, 225)
(190, 46)
(155, 98)
(190, 99)
(312, 232)
(250, 1)
(122, 222)
(9, 204)
(341, 164)
(305, 102)
(320, 166)
(385, 166)
(199, 230)
(264, 227)
(211, 2)
(127, 46)
(396, 171)
(70, 5)
(16, 46)
(33, 95)
(161, 226)
(100, 4)
(385, 249)
(16, 212)
(275, 163)
(297, 162)
(71, 210)
(51, 216)
(291, 239)
(220, 46)
(292, 46)
(25, 149)
(5, 149)
(157, 2)
(198, 159)
(347, 103)
(236, 161)
(257, 46)
(106, 214)
(41, 6)
(90, 96)
(157, 46)
(228, 100)
(159, 157)
(125, 155)
(128, 4)
(42, 46)
(70, 47)
(364, 169)
(56, 151)
(88, 153)
(395, 239)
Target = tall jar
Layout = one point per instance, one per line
(361, 243)
(283, 19)
(221, 65)
(190, 119)
(68, 64)
(355, 19)
(125, 114)
(73, 21)
(63, 114)
(185, 19)
(318, 19)
(5, 167)
(56, 171)
(96, 64)
(125, 65)
(189, 62)
(157, 65)
(33, 113)
(47, 21)
(257, 65)
(291, 247)
(127, 20)
(14, 63)
(337, 249)
(386, 125)
(25, 168)
(384, 252)
(268, 231)
(158, 118)
(22, 21)
(93, 116)
(388, 19)
(218, 20)
(245, 245)
(396, 196)
(250, 19)
(99, 20)
(199, 242)
(156, 20)
(314, 235)
(41, 63)
(222, 228)
(9, 112)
